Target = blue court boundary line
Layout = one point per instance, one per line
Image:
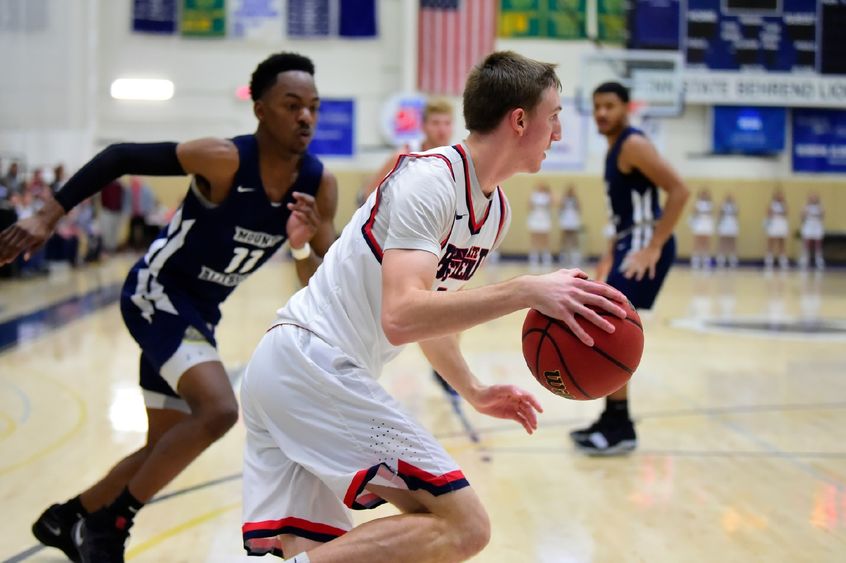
(31, 326)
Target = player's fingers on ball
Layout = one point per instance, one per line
(594, 317)
(606, 304)
(580, 333)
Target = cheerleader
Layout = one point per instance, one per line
(570, 223)
(777, 229)
(539, 223)
(702, 224)
(727, 229)
(812, 232)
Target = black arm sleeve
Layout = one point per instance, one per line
(147, 159)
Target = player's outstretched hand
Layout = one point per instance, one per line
(640, 263)
(28, 235)
(304, 219)
(566, 293)
(509, 402)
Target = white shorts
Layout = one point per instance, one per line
(728, 228)
(539, 222)
(777, 227)
(703, 226)
(812, 230)
(569, 220)
(319, 429)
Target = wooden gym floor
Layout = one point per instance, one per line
(740, 402)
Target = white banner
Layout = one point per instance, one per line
(770, 89)
(255, 19)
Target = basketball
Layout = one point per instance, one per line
(565, 366)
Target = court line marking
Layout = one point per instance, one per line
(696, 411)
(675, 453)
(179, 528)
(62, 439)
(27, 407)
(9, 428)
(766, 445)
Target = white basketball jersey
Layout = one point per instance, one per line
(431, 201)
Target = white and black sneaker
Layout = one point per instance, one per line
(606, 438)
(53, 529)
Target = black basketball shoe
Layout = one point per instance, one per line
(606, 437)
(53, 529)
(99, 542)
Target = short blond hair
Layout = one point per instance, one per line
(437, 105)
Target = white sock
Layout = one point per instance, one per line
(301, 558)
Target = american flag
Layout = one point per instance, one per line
(452, 36)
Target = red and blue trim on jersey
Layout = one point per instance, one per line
(367, 228)
(261, 538)
(414, 478)
(468, 194)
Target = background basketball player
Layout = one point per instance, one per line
(247, 196)
(640, 255)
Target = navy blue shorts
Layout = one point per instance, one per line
(163, 322)
(641, 293)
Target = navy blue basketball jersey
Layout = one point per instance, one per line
(208, 249)
(632, 197)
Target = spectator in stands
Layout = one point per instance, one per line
(12, 180)
(111, 215)
(142, 206)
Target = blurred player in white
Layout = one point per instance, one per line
(777, 229)
(812, 232)
(323, 436)
(570, 223)
(702, 225)
(539, 223)
(728, 228)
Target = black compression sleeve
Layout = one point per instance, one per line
(147, 159)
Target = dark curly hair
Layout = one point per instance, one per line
(264, 77)
(613, 88)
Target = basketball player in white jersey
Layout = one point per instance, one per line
(323, 436)
(812, 232)
(437, 132)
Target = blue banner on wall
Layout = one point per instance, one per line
(335, 134)
(154, 16)
(819, 140)
(749, 130)
(654, 24)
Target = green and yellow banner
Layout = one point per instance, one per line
(550, 19)
(611, 20)
(204, 18)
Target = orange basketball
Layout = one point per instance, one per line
(568, 368)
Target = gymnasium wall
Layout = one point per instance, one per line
(57, 107)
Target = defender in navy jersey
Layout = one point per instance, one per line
(641, 252)
(247, 196)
